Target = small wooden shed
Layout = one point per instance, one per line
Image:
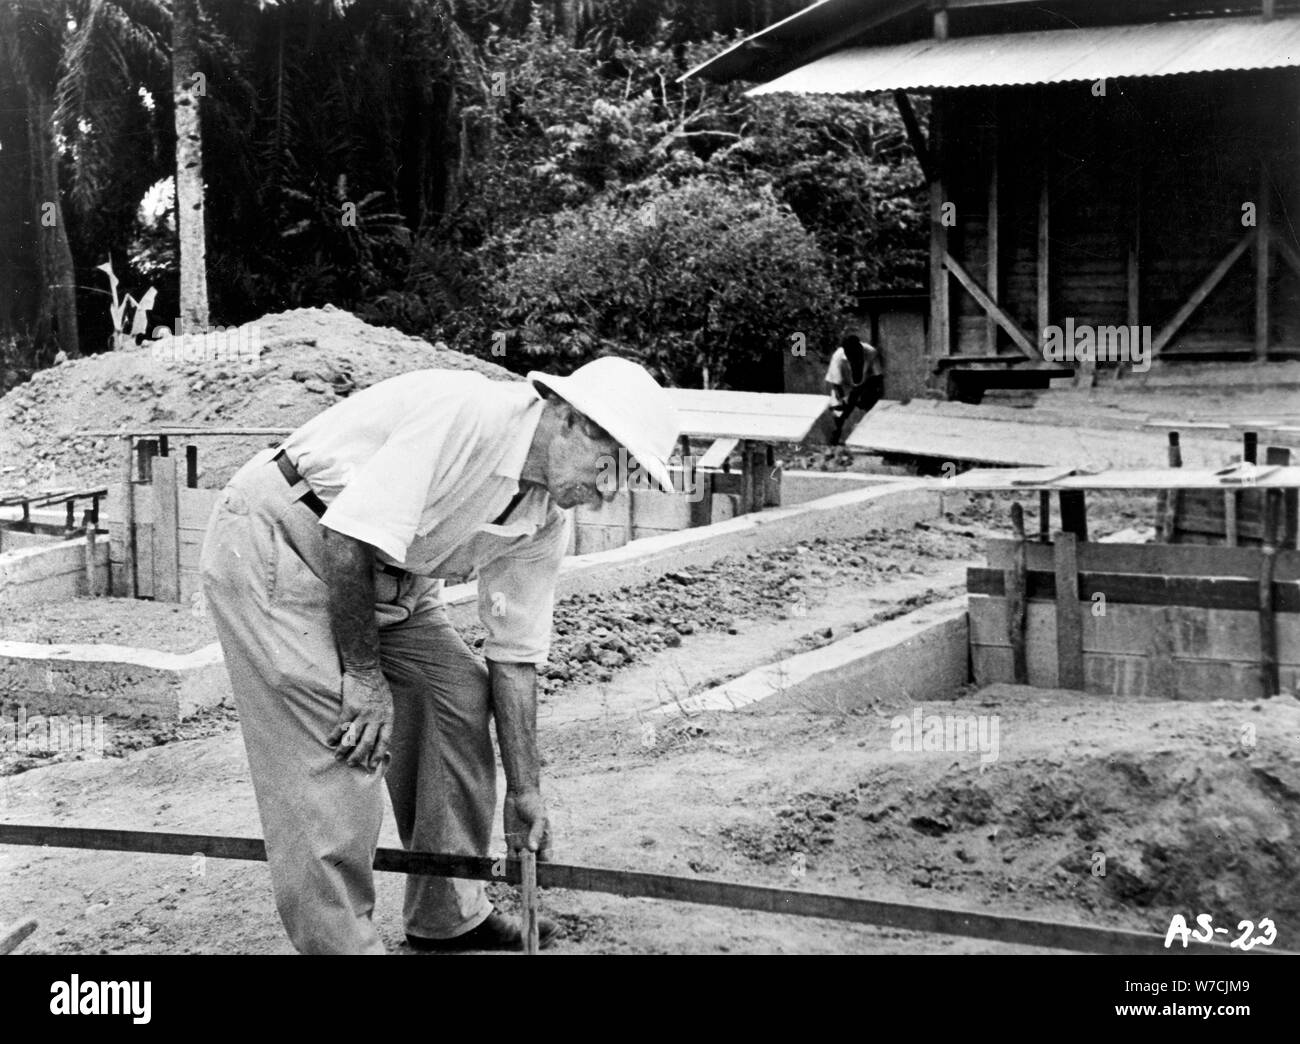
(1114, 164)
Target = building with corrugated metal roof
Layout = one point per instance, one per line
(1092, 164)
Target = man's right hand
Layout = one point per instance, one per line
(365, 724)
(526, 824)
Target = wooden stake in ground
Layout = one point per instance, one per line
(15, 934)
(528, 898)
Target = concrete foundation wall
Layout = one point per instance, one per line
(918, 657)
(799, 487)
(110, 679)
(47, 572)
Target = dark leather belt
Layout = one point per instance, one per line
(317, 506)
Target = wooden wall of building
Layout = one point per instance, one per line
(1160, 165)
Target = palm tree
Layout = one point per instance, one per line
(31, 38)
(189, 166)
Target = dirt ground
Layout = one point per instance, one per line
(1095, 811)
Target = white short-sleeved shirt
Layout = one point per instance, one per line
(418, 466)
(840, 370)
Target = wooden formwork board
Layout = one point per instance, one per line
(193, 508)
(1165, 621)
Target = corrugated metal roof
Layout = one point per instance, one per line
(1060, 56)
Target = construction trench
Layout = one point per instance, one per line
(825, 699)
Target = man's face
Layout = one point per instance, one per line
(582, 463)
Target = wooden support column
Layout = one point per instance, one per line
(772, 479)
(1044, 309)
(166, 532)
(1167, 501)
(92, 588)
(130, 586)
(939, 8)
(1134, 266)
(1263, 235)
(1289, 508)
(1069, 617)
(147, 451)
(1074, 513)
(1269, 675)
(992, 273)
(1044, 516)
(1017, 579)
(940, 338)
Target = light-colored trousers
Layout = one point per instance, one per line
(262, 581)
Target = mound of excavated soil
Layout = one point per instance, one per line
(1133, 809)
(309, 358)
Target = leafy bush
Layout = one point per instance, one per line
(693, 279)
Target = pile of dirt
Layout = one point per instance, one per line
(1158, 817)
(309, 358)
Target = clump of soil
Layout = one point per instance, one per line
(596, 635)
(310, 357)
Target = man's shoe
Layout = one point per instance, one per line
(498, 932)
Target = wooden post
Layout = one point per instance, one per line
(940, 338)
(1074, 513)
(771, 479)
(191, 466)
(1276, 515)
(528, 899)
(992, 274)
(940, 19)
(92, 588)
(1017, 608)
(1168, 502)
(1269, 676)
(1044, 260)
(1289, 522)
(166, 532)
(14, 934)
(1263, 232)
(1134, 272)
(1069, 618)
(131, 586)
(1044, 516)
(147, 450)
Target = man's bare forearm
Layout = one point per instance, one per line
(350, 577)
(514, 706)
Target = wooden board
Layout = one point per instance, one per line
(759, 416)
(1023, 480)
(1134, 589)
(972, 923)
(1163, 559)
(1022, 438)
(1163, 652)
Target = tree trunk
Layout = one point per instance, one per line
(189, 167)
(58, 273)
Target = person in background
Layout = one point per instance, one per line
(856, 379)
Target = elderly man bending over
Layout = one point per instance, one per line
(322, 570)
